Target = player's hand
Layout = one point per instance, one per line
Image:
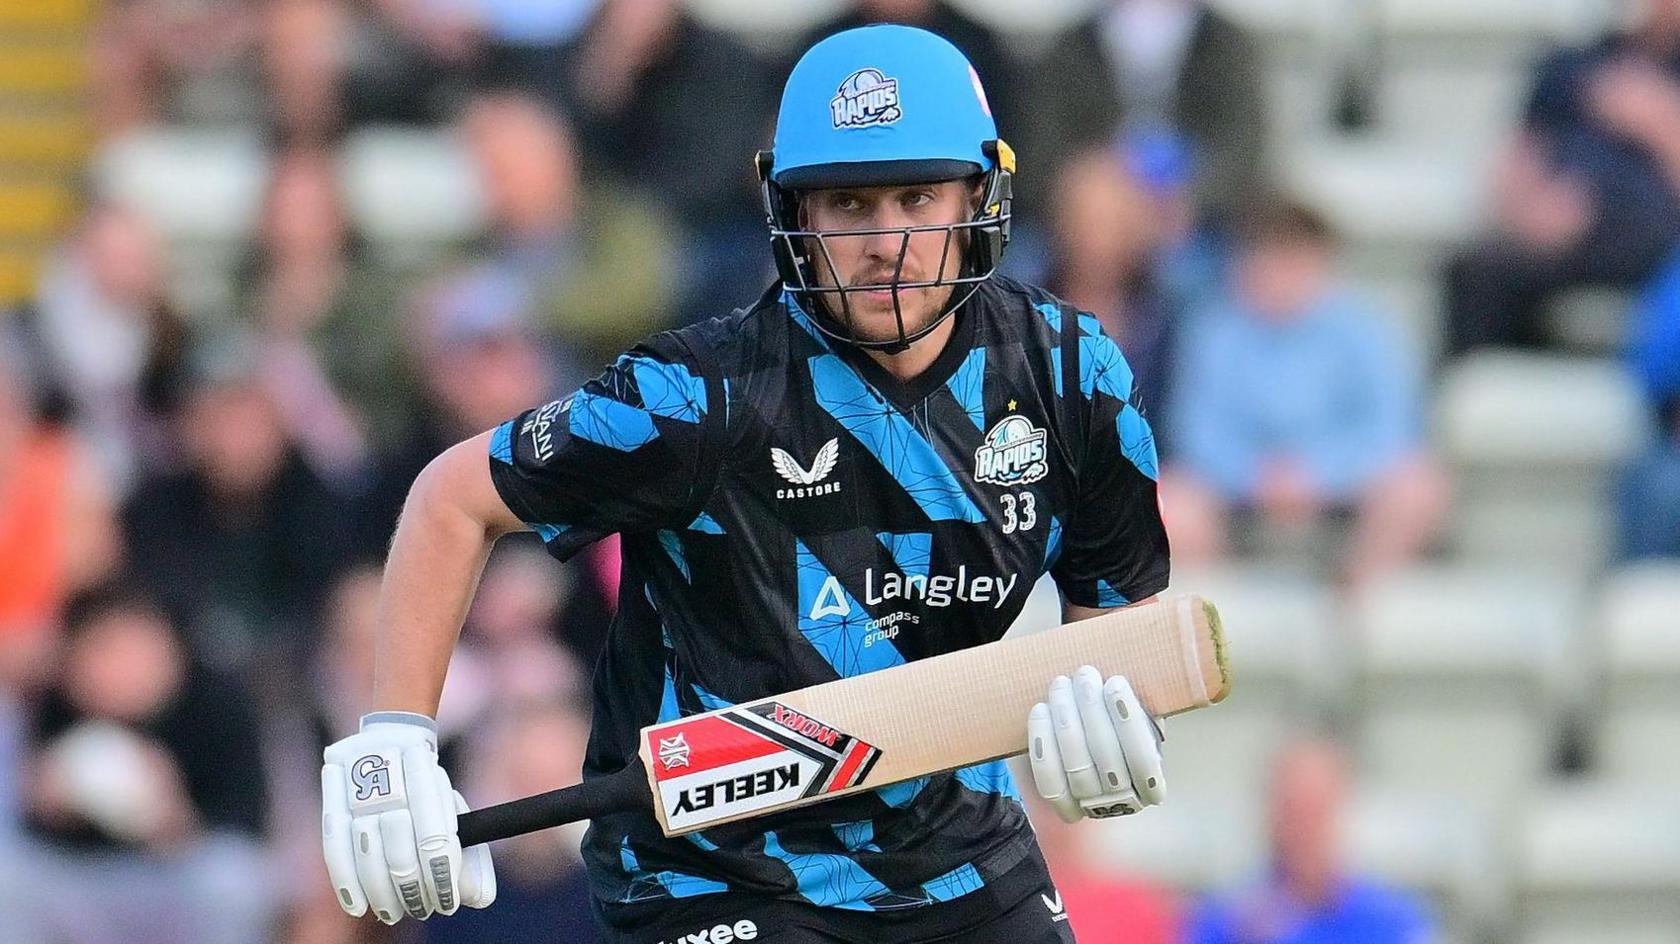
(1094, 750)
(388, 825)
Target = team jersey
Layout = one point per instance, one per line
(792, 514)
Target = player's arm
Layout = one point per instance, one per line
(1073, 612)
(451, 518)
(622, 454)
(388, 824)
(1094, 751)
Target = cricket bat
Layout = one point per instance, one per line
(881, 728)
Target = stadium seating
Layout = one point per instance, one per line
(1598, 864)
(1447, 852)
(1460, 675)
(408, 188)
(1186, 844)
(1278, 627)
(1638, 627)
(1532, 439)
(202, 190)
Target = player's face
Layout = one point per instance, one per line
(874, 259)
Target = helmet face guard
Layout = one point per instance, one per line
(801, 254)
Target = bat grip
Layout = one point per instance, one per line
(619, 792)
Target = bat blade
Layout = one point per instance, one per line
(925, 717)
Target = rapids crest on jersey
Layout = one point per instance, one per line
(791, 514)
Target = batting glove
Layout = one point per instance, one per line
(388, 819)
(1094, 750)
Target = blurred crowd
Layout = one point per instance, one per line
(194, 504)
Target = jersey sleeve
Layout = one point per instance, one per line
(1113, 546)
(632, 450)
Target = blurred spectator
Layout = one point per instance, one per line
(343, 667)
(415, 60)
(1309, 897)
(176, 60)
(330, 318)
(509, 648)
(666, 102)
(507, 651)
(408, 62)
(542, 892)
(303, 45)
(241, 539)
(1588, 194)
(593, 263)
(145, 797)
(1102, 907)
(1649, 491)
(674, 110)
(110, 344)
(319, 919)
(1190, 260)
(1157, 66)
(1295, 407)
(1106, 242)
(481, 360)
(57, 532)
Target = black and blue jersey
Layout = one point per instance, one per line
(791, 514)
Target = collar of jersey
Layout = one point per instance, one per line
(904, 394)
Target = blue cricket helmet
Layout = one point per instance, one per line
(876, 106)
(871, 105)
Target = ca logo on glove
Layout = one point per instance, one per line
(371, 776)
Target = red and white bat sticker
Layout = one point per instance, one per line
(748, 759)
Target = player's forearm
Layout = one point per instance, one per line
(441, 543)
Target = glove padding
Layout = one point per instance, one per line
(388, 825)
(1094, 750)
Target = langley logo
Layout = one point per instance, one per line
(866, 98)
(1013, 453)
(809, 481)
(936, 590)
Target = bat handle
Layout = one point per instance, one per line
(619, 792)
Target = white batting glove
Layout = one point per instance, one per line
(388, 820)
(1094, 750)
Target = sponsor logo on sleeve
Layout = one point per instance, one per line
(537, 427)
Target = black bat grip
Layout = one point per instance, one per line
(621, 792)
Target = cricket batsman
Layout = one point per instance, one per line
(870, 465)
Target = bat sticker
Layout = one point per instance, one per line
(752, 758)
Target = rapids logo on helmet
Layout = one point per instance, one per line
(371, 776)
(866, 98)
(1013, 453)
